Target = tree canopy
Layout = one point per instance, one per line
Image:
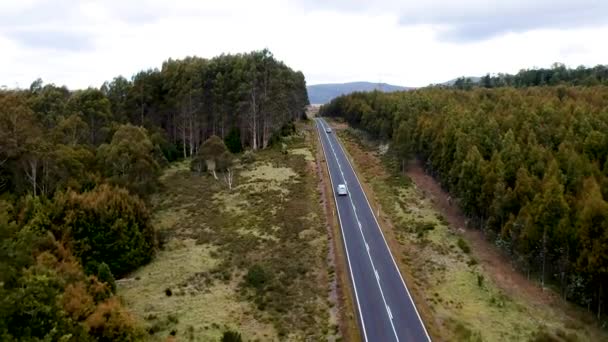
(528, 166)
(78, 168)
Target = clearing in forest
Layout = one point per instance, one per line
(253, 259)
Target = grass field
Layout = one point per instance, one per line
(253, 259)
(455, 292)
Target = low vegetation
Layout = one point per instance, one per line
(457, 295)
(250, 260)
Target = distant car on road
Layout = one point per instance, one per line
(328, 130)
(342, 190)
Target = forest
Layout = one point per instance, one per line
(77, 168)
(527, 165)
(556, 75)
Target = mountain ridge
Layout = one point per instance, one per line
(325, 92)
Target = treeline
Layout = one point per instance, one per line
(556, 75)
(250, 96)
(528, 166)
(77, 168)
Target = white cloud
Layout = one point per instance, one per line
(85, 43)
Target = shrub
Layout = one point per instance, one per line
(105, 225)
(480, 280)
(231, 336)
(257, 277)
(172, 318)
(105, 275)
(233, 141)
(288, 129)
(111, 322)
(442, 220)
(248, 157)
(425, 226)
(542, 335)
(464, 246)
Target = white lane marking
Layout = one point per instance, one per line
(388, 308)
(385, 243)
(352, 277)
(352, 203)
(366, 246)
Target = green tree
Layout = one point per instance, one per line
(592, 222)
(210, 155)
(470, 181)
(117, 93)
(71, 130)
(128, 160)
(551, 212)
(233, 141)
(48, 102)
(95, 108)
(104, 274)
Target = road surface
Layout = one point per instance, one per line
(386, 309)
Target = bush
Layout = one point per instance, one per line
(542, 335)
(257, 277)
(464, 246)
(111, 322)
(425, 226)
(233, 141)
(248, 157)
(480, 280)
(105, 225)
(105, 275)
(288, 129)
(231, 336)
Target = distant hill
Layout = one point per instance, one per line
(323, 93)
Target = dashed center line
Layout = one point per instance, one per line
(389, 313)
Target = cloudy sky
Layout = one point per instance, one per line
(404, 42)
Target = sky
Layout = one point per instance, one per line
(409, 43)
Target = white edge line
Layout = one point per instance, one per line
(381, 233)
(352, 277)
(371, 261)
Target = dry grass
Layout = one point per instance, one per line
(195, 308)
(212, 239)
(465, 303)
(305, 152)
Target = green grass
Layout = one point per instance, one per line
(212, 236)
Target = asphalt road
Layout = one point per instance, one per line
(386, 309)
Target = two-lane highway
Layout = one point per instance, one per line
(386, 309)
